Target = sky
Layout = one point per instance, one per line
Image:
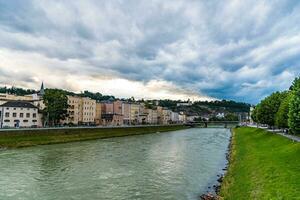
(176, 49)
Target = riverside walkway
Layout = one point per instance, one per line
(278, 132)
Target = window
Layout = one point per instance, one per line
(14, 114)
(7, 108)
(25, 120)
(15, 108)
(7, 114)
(7, 120)
(34, 120)
(27, 115)
(21, 115)
(34, 115)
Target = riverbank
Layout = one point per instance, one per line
(262, 166)
(25, 138)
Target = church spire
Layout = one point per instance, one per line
(42, 90)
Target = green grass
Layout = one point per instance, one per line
(24, 138)
(262, 166)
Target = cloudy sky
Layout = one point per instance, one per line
(178, 49)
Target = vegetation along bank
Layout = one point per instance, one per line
(262, 166)
(280, 109)
(23, 138)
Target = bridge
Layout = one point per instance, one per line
(205, 124)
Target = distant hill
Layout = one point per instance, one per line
(196, 108)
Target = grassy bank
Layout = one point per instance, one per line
(262, 166)
(23, 138)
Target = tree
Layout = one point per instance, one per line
(254, 113)
(56, 106)
(281, 118)
(268, 108)
(294, 107)
(231, 117)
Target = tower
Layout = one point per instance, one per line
(42, 90)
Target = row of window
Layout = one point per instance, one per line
(85, 108)
(87, 119)
(25, 120)
(87, 113)
(88, 108)
(21, 115)
(88, 103)
(19, 108)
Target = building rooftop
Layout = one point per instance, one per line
(18, 104)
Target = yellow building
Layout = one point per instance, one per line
(134, 113)
(82, 110)
(88, 108)
(73, 110)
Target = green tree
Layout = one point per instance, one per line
(294, 107)
(231, 117)
(56, 106)
(254, 113)
(268, 108)
(281, 117)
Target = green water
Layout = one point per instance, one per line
(176, 165)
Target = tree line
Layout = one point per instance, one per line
(280, 109)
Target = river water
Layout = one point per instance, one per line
(176, 165)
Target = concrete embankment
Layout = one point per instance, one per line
(31, 137)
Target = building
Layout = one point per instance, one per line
(107, 107)
(36, 98)
(117, 107)
(164, 115)
(134, 113)
(73, 110)
(15, 114)
(188, 103)
(126, 113)
(98, 117)
(151, 116)
(87, 109)
(143, 118)
(82, 111)
(112, 119)
(174, 117)
(182, 118)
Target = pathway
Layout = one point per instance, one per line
(279, 132)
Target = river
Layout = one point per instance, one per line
(175, 165)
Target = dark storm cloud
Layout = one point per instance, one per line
(223, 49)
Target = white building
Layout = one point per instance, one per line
(182, 118)
(19, 114)
(36, 98)
(188, 103)
(174, 117)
